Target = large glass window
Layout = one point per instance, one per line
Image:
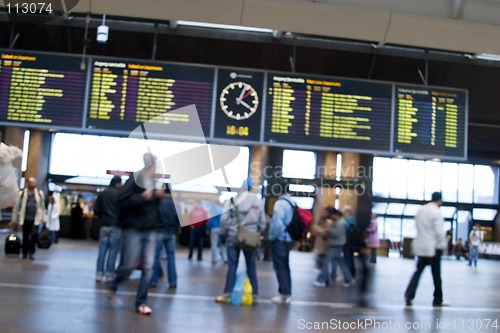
(432, 178)
(399, 178)
(465, 182)
(450, 182)
(381, 176)
(299, 164)
(90, 156)
(416, 175)
(484, 178)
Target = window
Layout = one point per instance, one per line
(450, 182)
(381, 176)
(465, 182)
(484, 214)
(90, 156)
(416, 176)
(409, 229)
(484, 185)
(299, 164)
(399, 178)
(432, 178)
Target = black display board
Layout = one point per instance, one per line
(41, 90)
(238, 105)
(126, 94)
(328, 112)
(430, 121)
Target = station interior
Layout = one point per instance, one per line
(372, 104)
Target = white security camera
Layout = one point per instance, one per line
(102, 34)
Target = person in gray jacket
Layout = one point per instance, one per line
(252, 216)
(336, 241)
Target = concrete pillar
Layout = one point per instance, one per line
(258, 163)
(38, 157)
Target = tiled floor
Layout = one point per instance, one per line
(57, 293)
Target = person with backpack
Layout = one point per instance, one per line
(336, 240)
(251, 215)
(166, 238)
(28, 213)
(281, 244)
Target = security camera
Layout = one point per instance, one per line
(102, 34)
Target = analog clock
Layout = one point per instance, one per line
(239, 100)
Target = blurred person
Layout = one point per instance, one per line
(281, 244)
(166, 238)
(459, 249)
(138, 216)
(53, 222)
(336, 240)
(28, 213)
(252, 216)
(321, 230)
(217, 242)
(77, 229)
(476, 236)
(372, 240)
(198, 220)
(350, 232)
(428, 246)
(109, 232)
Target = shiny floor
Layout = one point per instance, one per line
(57, 293)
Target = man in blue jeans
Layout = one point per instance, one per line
(137, 203)
(166, 237)
(109, 233)
(281, 244)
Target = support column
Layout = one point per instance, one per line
(38, 157)
(259, 161)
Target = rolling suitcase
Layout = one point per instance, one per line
(12, 245)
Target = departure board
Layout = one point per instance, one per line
(238, 109)
(41, 90)
(126, 94)
(329, 113)
(430, 121)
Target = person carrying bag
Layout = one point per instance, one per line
(242, 224)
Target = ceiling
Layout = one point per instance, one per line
(468, 26)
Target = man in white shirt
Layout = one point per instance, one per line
(428, 246)
(476, 236)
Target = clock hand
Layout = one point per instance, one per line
(238, 100)
(245, 105)
(246, 95)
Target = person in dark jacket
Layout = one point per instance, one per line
(166, 237)
(137, 203)
(109, 233)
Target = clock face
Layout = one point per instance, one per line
(239, 100)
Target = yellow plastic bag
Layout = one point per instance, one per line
(247, 293)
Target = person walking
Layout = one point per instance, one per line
(336, 240)
(217, 243)
(53, 222)
(476, 236)
(372, 240)
(109, 232)
(28, 213)
(198, 221)
(138, 209)
(428, 246)
(166, 238)
(252, 216)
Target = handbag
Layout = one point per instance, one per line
(246, 239)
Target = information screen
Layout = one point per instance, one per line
(430, 121)
(126, 94)
(238, 109)
(41, 89)
(328, 112)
